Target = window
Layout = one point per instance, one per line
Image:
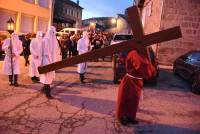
(44, 3)
(27, 23)
(4, 17)
(30, 1)
(195, 56)
(42, 24)
(77, 14)
(68, 11)
(72, 12)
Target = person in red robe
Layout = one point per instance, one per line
(137, 67)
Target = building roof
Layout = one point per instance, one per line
(69, 2)
(123, 16)
(98, 18)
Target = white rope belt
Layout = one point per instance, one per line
(133, 76)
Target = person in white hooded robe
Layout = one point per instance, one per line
(50, 53)
(82, 47)
(35, 49)
(17, 48)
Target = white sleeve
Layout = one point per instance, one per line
(5, 45)
(32, 49)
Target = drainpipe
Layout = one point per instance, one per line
(52, 12)
(160, 25)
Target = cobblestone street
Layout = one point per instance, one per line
(168, 108)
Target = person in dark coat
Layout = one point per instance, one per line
(26, 49)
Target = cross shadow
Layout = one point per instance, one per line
(150, 112)
(89, 84)
(105, 67)
(157, 128)
(75, 72)
(167, 81)
(93, 104)
(61, 89)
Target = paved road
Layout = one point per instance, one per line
(168, 108)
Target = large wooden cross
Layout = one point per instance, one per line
(139, 43)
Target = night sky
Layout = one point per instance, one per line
(103, 8)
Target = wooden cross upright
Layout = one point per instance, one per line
(139, 43)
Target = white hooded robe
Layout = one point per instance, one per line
(82, 47)
(35, 49)
(50, 54)
(16, 50)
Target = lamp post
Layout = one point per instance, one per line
(114, 22)
(92, 26)
(10, 29)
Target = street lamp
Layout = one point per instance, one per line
(10, 29)
(114, 22)
(92, 25)
(10, 25)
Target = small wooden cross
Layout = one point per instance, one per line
(139, 43)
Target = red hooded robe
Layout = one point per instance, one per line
(137, 67)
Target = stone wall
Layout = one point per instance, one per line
(185, 13)
(151, 17)
(163, 14)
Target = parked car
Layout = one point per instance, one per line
(188, 67)
(117, 38)
(2, 38)
(119, 70)
(68, 31)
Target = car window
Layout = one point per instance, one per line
(123, 37)
(151, 55)
(194, 56)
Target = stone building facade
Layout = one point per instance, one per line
(162, 14)
(28, 15)
(105, 23)
(67, 14)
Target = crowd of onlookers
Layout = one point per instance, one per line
(68, 43)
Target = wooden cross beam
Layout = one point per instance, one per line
(139, 43)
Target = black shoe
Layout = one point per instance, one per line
(11, 80)
(16, 84)
(49, 96)
(42, 90)
(15, 80)
(37, 79)
(132, 121)
(11, 84)
(33, 79)
(124, 121)
(48, 92)
(82, 82)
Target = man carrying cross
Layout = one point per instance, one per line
(137, 68)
